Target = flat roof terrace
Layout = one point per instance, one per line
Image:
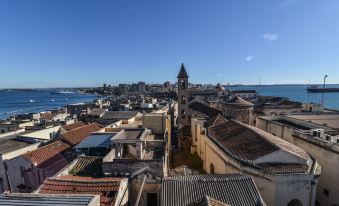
(292, 124)
(11, 144)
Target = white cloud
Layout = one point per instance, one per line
(270, 37)
(249, 58)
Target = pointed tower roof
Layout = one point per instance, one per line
(182, 72)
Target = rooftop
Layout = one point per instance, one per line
(119, 115)
(218, 119)
(204, 109)
(330, 120)
(97, 112)
(107, 187)
(75, 136)
(30, 199)
(182, 72)
(250, 143)
(11, 144)
(232, 189)
(73, 126)
(45, 153)
(238, 101)
(240, 141)
(130, 134)
(208, 201)
(96, 140)
(87, 166)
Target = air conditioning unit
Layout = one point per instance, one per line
(320, 133)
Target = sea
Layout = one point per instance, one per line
(295, 93)
(37, 100)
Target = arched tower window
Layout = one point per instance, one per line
(183, 114)
(183, 84)
(211, 168)
(183, 99)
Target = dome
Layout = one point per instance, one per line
(238, 101)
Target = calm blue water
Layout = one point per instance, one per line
(295, 93)
(16, 102)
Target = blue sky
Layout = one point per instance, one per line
(45, 43)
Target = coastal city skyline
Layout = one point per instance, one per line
(73, 44)
(169, 103)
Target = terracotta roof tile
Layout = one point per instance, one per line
(107, 187)
(238, 101)
(45, 153)
(281, 168)
(87, 165)
(250, 143)
(75, 136)
(73, 126)
(204, 109)
(240, 141)
(218, 119)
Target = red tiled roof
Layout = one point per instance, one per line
(45, 153)
(107, 187)
(73, 126)
(75, 136)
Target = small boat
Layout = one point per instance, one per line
(31, 101)
(316, 89)
(52, 100)
(66, 99)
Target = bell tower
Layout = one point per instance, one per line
(182, 96)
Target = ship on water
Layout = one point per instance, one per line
(316, 89)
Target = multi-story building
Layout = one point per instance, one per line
(318, 140)
(283, 173)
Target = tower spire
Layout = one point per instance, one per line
(182, 72)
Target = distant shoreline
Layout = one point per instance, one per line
(231, 85)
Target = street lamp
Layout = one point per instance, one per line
(322, 98)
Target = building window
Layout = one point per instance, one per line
(183, 114)
(183, 99)
(183, 84)
(211, 168)
(326, 192)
